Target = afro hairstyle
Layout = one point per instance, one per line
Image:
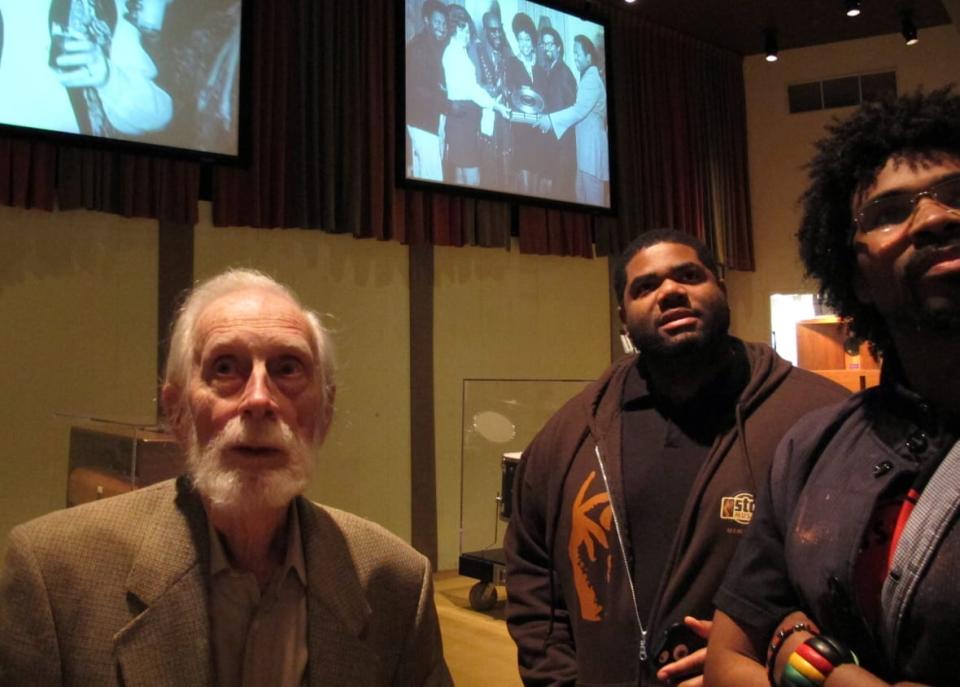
(914, 129)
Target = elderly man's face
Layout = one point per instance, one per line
(256, 362)
(254, 399)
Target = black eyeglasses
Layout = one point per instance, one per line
(888, 212)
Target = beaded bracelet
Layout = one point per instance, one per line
(812, 662)
(778, 640)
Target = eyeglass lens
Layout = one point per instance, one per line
(890, 211)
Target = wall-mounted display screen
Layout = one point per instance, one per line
(506, 97)
(159, 72)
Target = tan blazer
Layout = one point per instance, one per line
(115, 593)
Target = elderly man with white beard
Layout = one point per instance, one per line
(227, 575)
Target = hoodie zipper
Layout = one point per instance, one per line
(623, 556)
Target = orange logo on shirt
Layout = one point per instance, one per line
(738, 508)
(587, 534)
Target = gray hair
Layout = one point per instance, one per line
(183, 333)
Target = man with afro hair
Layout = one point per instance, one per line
(850, 564)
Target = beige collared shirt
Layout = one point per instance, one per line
(259, 638)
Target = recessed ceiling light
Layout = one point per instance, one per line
(908, 29)
(770, 44)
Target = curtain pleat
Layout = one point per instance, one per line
(680, 137)
(27, 174)
(47, 176)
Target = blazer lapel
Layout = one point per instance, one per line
(337, 609)
(168, 640)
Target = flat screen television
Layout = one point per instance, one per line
(157, 72)
(506, 97)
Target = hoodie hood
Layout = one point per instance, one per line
(601, 399)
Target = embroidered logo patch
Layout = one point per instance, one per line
(738, 508)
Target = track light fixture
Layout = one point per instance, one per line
(851, 8)
(908, 28)
(770, 44)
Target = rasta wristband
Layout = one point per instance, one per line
(813, 661)
(814, 658)
(778, 640)
(798, 664)
(794, 678)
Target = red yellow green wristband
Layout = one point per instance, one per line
(806, 669)
(813, 661)
(794, 678)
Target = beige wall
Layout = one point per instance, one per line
(78, 306)
(502, 315)
(781, 143)
(78, 301)
(362, 288)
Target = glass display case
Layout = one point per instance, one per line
(500, 417)
(107, 458)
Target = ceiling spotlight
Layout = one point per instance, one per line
(852, 7)
(908, 28)
(770, 46)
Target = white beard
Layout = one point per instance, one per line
(240, 490)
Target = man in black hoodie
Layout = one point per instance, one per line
(630, 502)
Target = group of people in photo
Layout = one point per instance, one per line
(492, 101)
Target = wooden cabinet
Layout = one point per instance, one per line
(824, 346)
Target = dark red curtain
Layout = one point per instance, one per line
(680, 126)
(28, 174)
(36, 174)
(324, 85)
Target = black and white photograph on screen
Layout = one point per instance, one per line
(163, 72)
(196, 45)
(508, 96)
